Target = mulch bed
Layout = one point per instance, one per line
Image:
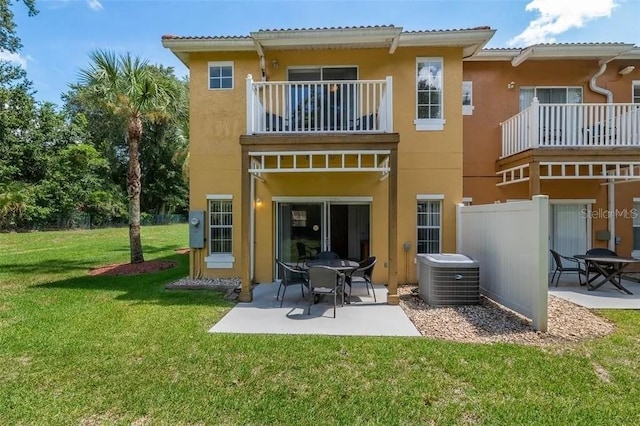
(137, 268)
(133, 268)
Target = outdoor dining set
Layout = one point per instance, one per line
(326, 275)
(595, 263)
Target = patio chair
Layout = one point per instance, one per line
(598, 252)
(326, 255)
(325, 281)
(560, 268)
(362, 274)
(290, 276)
(303, 252)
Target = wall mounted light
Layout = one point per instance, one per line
(626, 70)
(258, 202)
(511, 85)
(274, 64)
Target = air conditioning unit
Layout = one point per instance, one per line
(447, 279)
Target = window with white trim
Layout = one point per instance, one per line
(221, 75)
(429, 226)
(220, 226)
(429, 94)
(467, 97)
(635, 94)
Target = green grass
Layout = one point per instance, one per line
(79, 349)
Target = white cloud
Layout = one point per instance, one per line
(14, 57)
(94, 4)
(558, 16)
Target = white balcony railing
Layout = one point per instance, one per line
(340, 106)
(571, 126)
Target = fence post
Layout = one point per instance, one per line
(540, 291)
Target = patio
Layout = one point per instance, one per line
(362, 317)
(605, 297)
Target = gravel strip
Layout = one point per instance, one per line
(490, 322)
(205, 284)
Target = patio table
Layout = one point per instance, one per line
(600, 263)
(341, 265)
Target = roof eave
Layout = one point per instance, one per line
(183, 47)
(604, 53)
(282, 39)
(472, 41)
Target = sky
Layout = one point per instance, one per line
(58, 40)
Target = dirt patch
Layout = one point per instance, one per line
(133, 268)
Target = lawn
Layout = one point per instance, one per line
(80, 349)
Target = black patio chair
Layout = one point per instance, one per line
(304, 253)
(290, 276)
(363, 274)
(560, 267)
(598, 251)
(325, 281)
(326, 255)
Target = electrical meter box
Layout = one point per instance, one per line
(196, 229)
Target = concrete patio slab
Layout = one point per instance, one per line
(605, 297)
(362, 317)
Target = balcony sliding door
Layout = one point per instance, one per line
(558, 123)
(320, 101)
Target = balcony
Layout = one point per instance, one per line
(319, 107)
(572, 126)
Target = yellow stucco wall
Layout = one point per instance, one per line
(429, 162)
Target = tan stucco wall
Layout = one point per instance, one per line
(494, 102)
(428, 162)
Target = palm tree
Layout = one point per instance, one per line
(127, 87)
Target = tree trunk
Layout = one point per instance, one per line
(133, 189)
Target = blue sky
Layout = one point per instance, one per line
(57, 40)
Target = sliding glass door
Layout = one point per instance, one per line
(304, 228)
(300, 228)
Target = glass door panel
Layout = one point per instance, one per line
(568, 227)
(300, 230)
(349, 230)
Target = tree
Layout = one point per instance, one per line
(128, 87)
(9, 40)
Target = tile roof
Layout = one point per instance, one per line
(227, 37)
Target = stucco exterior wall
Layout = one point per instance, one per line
(495, 102)
(429, 162)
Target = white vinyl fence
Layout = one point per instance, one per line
(510, 242)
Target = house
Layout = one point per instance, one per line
(342, 139)
(561, 120)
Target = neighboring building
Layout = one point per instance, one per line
(342, 139)
(583, 132)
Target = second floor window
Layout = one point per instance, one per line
(429, 94)
(220, 75)
(636, 92)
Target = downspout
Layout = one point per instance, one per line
(611, 195)
(611, 192)
(593, 85)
